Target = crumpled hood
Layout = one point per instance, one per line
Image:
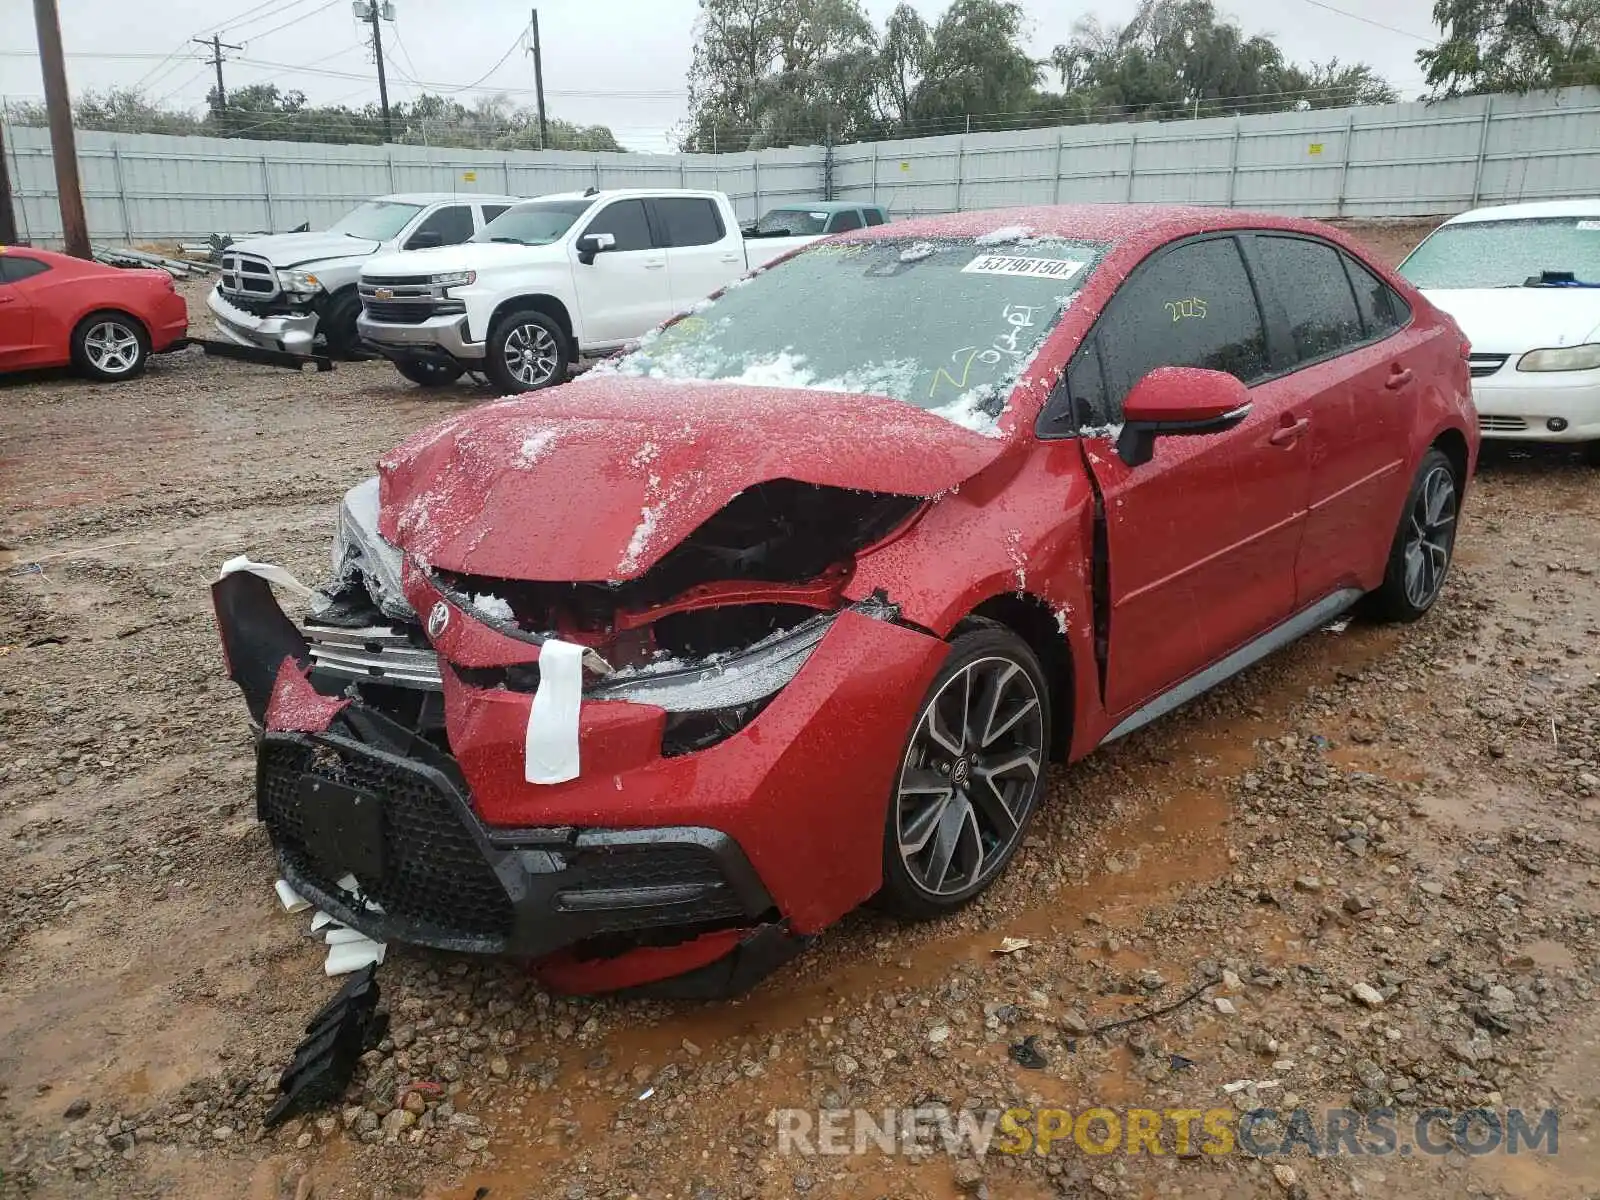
(598, 479)
(297, 249)
(1512, 320)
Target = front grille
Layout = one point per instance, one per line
(1485, 364)
(396, 312)
(377, 654)
(1489, 423)
(435, 874)
(247, 276)
(402, 299)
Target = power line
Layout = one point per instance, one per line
(305, 16)
(1369, 21)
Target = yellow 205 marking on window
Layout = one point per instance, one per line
(1191, 307)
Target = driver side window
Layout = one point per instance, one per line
(625, 221)
(1191, 306)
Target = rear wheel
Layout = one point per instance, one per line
(1424, 544)
(110, 345)
(426, 373)
(527, 351)
(971, 775)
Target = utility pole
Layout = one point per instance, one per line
(63, 146)
(8, 217)
(374, 11)
(217, 47)
(538, 81)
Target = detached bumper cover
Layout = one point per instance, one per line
(293, 332)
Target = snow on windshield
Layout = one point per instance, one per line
(376, 220)
(1496, 254)
(949, 326)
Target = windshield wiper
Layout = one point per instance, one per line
(1557, 279)
(512, 240)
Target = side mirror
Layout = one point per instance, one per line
(591, 244)
(1178, 400)
(422, 239)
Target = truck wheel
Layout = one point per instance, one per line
(427, 373)
(110, 345)
(527, 352)
(337, 328)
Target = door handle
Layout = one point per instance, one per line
(655, 264)
(6, 299)
(1398, 378)
(1285, 434)
(731, 258)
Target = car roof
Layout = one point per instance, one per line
(1149, 224)
(1530, 211)
(829, 206)
(441, 197)
(625, 193)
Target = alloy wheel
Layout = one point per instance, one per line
(111, 347)
(971, 777)
(531, 355)
(1430, 537)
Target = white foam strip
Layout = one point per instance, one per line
(321, 919)
(268, 571)
(291, 900)
(550, 749)
(352, 956)
(339, 935)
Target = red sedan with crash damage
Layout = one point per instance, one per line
(104, 322)
(652, 677)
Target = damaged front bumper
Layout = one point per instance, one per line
(293, 332)
(718, 863)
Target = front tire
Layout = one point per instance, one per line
(108, 346)
(337, 326)
(970, 777)
(527, 352)
(426, 373)
(1424, 544)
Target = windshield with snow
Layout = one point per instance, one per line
(376, 220)
(537, 223)
(1499, 254)
(946, 325)
(791, 222)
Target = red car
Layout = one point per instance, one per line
(105, 322)
(660, 673)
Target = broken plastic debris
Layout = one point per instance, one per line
(291, 900)
(340, 934)
(1011, 945)
(550, 747)
(647, 1093)
(271, 572)
(1026, 1054)
(353, 956)
(1337, 625)
(1239, 1085)
(320, 919)
(344, 1029)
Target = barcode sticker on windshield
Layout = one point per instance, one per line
(1590, 226)
(1011, 264)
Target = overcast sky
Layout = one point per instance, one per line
(620, 63)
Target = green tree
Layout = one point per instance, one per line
(976, 66)
(1513, 45)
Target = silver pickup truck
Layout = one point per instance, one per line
(297, 291)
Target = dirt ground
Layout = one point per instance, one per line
(1383, 844)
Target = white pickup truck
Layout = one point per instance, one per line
(297, 291)
(553, 279)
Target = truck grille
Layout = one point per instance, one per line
(1485, 364)
(377, 654)
(402, 299)
(435, 876)
(247, 276)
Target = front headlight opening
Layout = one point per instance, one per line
(687, 732)
(1562, 358)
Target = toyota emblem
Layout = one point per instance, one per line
(438, 619)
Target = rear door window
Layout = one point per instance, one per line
(625, 221)
(874, 216)
(688, 221)
(1310, 282)
(1190, 306)
(491, 211)
(844, 221)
